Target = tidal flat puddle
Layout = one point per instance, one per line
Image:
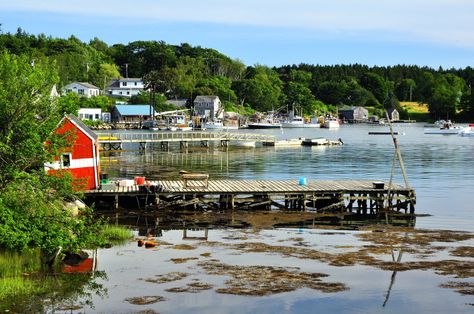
(291, 270)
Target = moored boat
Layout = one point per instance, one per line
(264, 125)
(468, 132)
(331, 123)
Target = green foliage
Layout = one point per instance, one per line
(262, 89)
(185, 71)
(27, 114)
(115, 234)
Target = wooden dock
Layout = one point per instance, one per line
(360, 196)
(115, 141)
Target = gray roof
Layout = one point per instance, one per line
(75, 120)
(205, 98)
(177, 102)
(116, 82)
(85, 84)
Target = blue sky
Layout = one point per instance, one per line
(271, 32)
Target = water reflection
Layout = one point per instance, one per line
(439, 167)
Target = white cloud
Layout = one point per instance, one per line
(442, 21)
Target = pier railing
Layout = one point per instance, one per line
(149, 137)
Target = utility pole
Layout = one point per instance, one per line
(126, 70)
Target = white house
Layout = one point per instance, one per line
(208, 107)
(92, 114)
(125, 87)
(82, 89)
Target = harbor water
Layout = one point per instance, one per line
(261, 269)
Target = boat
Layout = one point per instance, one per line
(320, 141)
(447, 128)
(331, 123)
(211, 125)
(295, 121)
(469, 131)
(285, 143)
(244, 143)
(264, 125)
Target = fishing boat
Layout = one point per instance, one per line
(264, 125)
(296, 121)
(211, 125)
(331, 123)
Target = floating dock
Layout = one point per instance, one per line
(359, 196)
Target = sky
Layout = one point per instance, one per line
(270, 32)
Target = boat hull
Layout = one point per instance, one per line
(300, 125)
(263, 126)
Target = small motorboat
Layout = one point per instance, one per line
(447, 128)
(467, 132)
(244, 143)
(285, 143)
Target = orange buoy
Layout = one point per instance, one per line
(149, 244)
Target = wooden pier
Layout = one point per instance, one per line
(351, 196)
(115, 141)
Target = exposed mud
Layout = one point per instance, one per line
(183, 247)
(465, 288)
(267, 280)
(174, 276)
(463, 251)
(183, 260)
(145, 300)
(193, 287)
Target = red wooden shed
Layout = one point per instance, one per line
(81, 158)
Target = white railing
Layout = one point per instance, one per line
(181, 136)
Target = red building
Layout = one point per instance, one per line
(81, 159)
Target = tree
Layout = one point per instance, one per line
(32, 210)
(262, 88)
(375, 84)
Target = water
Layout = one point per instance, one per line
(439, 167)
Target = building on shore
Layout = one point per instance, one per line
(125, 87)
(208, 107)
(132, 113)
(82, 89)
(353, 114)
(81, 156)
(393, 114)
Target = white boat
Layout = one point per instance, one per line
(244, 143)
(469, 131)
(331, 123)
(286, 143)
(211, 125)
(184, 128)
(448, 129)
(298, 122)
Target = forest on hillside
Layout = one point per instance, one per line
(183, 71)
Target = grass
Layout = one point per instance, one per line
(416, 111)
(116, 234)
(15, 264)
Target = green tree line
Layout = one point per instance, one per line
(183, 71)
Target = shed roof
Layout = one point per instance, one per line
(84, 128)
(205, 98)
(134, 110)
(85, 84)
